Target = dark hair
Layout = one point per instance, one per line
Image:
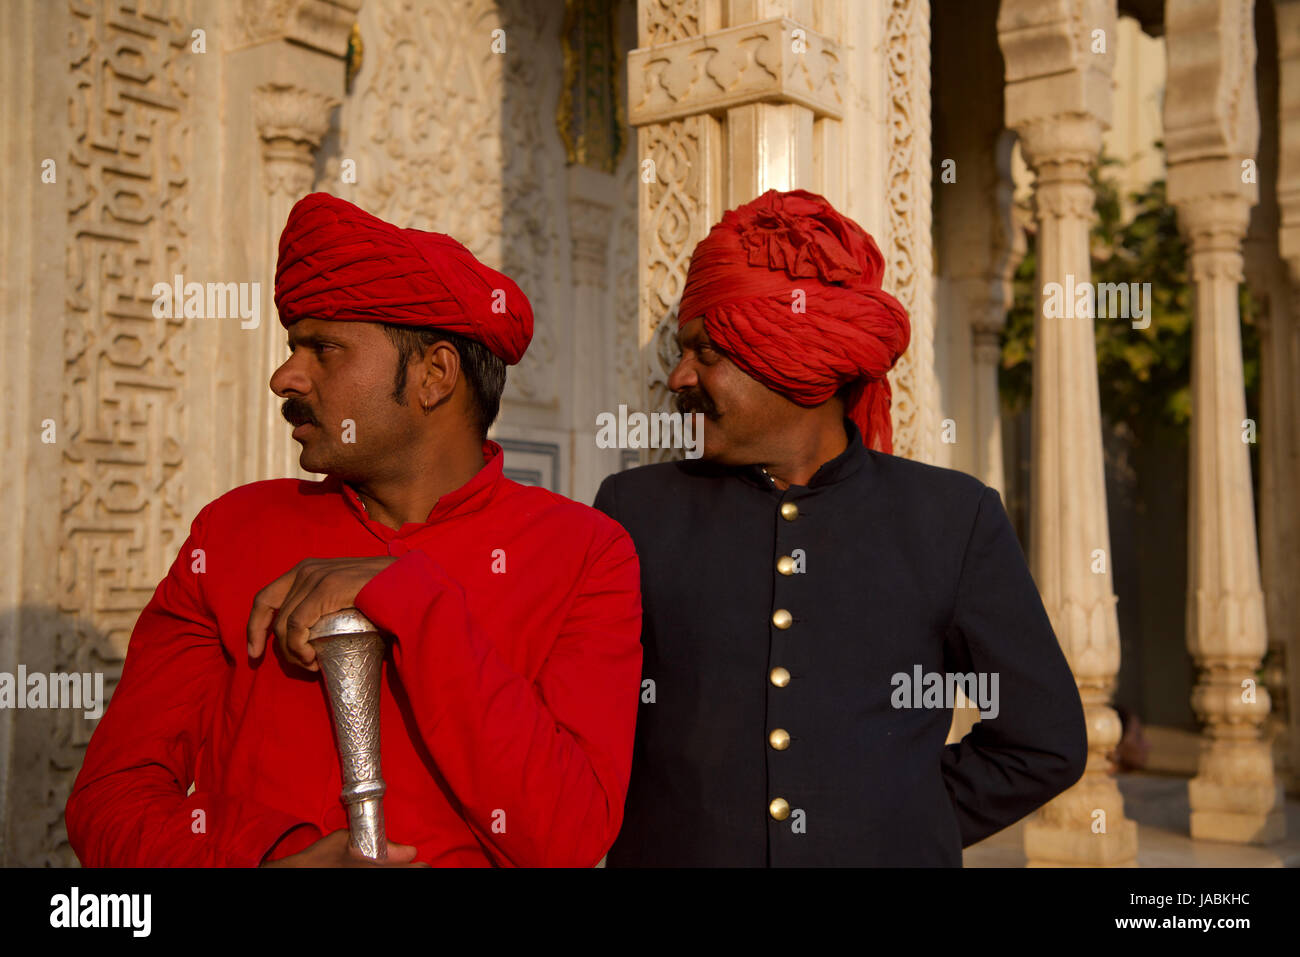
(485, 373)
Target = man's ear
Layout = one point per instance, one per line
(440, 371)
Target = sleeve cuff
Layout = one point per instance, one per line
(410, 583)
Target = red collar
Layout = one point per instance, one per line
(470, 497)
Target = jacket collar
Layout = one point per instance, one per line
(831, 472)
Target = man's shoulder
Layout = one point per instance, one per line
(909, 477)
(662, 476)
(246, 501)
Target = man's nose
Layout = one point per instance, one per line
(683, 376)
(289, 379)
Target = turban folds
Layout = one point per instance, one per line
(790, 290)
(338, 262)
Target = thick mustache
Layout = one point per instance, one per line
(296, 412)
(693, 400)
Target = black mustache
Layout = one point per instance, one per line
(695, 400)
(297, 412)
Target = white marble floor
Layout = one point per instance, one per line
(1159, 805)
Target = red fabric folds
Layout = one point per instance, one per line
(339, 262)
(790, 290)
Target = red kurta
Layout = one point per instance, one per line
(508, 700)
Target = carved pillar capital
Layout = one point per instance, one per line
(291, 122)
(1068, 140)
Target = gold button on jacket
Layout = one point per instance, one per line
(779, 809)
(779, 739)
(785, 565)
(779, 677)
(782, 619)
(789, 511)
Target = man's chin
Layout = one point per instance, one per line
(312, 463)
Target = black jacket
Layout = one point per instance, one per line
(905, 566)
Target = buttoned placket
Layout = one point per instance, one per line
(781, 680)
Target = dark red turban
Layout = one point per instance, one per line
(338, 262)
(743, 280)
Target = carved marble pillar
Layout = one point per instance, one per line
(728, 99)
(1211, 130)
(1285, 344)
(1058, 99)
(291, 121)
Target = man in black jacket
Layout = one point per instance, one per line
(810, 603)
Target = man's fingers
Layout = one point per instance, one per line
(265, 604)
(400, 853)
(298, 612)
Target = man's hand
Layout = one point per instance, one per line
(335, 850)
(295, 601)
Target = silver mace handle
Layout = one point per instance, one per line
(350, 651)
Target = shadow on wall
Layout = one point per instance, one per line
(69, 669)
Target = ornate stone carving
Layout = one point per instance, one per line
(675, 215)
(666, 21)
(745, 64)
(125, 417)
(321, 24)
(909, 251)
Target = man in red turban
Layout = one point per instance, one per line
(508, 693)
(812, 603)
(790, 290)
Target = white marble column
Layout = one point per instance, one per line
(1058, 99)
(1211, 130)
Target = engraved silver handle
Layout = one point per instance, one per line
(350, 651)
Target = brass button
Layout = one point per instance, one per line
(779, 809)
(789, 511)
(782, 619)
(779, 739)
(785, 565)
(779, 677)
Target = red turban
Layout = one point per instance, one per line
(743, 280)
(338, 262)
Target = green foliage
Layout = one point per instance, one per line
(1144, 375)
